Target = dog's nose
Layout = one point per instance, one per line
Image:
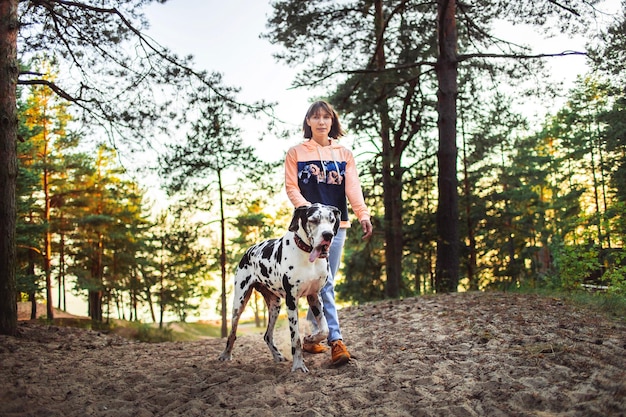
(328, 235)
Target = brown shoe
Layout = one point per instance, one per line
(340, 354)
(314, 348)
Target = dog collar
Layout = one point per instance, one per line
(301, 244)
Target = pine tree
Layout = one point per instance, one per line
(47, 118)
(126, 84)
(388, 60)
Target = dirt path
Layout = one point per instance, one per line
(479, 354)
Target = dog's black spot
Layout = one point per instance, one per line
(289, 299)
(245, 259)
(290, 267)
(268, 249)
(312, 300)
(292, 327)
(245, 281)
(264, 270)
(313, 209)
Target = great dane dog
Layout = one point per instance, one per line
(290, 267)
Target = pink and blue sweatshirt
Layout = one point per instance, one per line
(324, 174)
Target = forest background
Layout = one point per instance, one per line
(540, 195)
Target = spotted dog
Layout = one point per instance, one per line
(290, 267)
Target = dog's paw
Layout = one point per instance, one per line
(225, 357)
(278, 357)
(299, 366)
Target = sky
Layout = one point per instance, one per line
(223, 36)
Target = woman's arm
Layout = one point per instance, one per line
(291, 180)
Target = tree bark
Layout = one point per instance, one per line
(8, 165)
(447, 269)
(392, 181)
(47, 234)
(95, 306)
(222, 253)
(471, 238)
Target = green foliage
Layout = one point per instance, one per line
(182, 267)
(615, 273)
(575, 264)
(363, 268)
(101, 236)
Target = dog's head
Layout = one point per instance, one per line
(319, 224)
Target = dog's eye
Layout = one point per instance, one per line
(314, 220)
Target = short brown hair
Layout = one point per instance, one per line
(336, 131)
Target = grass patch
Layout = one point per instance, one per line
(170, 332)
(611, 304)
(151, 333)
(78, 322)
(183, 332)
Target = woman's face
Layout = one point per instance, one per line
(320, 124)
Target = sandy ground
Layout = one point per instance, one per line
(478, 354)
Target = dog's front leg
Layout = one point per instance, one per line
(316, 307)
(296, 343)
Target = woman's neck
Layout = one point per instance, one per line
(322, 141)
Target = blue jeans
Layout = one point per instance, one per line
(328, 292)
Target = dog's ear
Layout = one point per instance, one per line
(298, 213)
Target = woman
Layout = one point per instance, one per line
(320, 170)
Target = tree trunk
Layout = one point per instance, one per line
(594, 176)
(62, 305)
(222, 253)
(8, 165)
(150, 305)
(162, 291)
(95, 305)
(32, 294)
(47, 234)
(467, 190)
(447, 269)
(392, 181)
(95, 295)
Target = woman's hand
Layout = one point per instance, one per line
(367, 229)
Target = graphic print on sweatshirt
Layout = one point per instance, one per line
(324, 182)
(321, 172)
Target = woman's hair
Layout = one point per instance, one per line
(336, 131)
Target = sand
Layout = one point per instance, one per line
(472, 354)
